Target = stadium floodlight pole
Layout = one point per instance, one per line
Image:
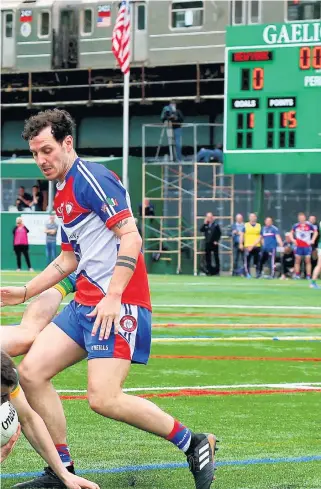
(121, 50)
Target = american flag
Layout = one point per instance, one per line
(121, 37)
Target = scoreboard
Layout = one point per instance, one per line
(272, 101)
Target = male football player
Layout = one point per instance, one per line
(317, 270)
(303, 236)
(33, 428)
(270, 239)
(110, 318)
(250, 242)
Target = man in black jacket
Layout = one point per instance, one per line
(212, 233)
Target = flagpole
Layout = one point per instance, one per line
(126, 130)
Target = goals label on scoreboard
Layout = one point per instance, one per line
(273, 98)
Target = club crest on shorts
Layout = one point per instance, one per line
(128, 323)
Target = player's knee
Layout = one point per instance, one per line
(29, 373)
(105, 404)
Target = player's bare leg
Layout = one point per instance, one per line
(316, 273)
(297, 266)
(52, 352)
(308, 267)
(105, 379)
(17, 340)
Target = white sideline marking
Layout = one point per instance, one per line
(236, 306)
(301, 385)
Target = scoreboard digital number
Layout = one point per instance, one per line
(273, 99)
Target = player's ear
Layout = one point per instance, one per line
(69, 143)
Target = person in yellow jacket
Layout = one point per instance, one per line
(250, 242)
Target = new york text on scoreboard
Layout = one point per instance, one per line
(273, 98)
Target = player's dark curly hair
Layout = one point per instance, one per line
(60, 121)
(8, 372)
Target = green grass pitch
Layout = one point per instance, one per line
(217, 366)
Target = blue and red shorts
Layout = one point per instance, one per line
(303, 250)
(133, 341)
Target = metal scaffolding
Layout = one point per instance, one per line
(182, 193)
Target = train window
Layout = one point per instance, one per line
(187, 14)
(141, 17)
(307, 10)
(44, 24)
(254, 11)
(9, 25)
(87, 21)
(238, 11)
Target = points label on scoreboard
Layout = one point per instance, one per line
(282, 102)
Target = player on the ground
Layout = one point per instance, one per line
(250, 241)
(303, 236)
(110, 318)
(317, 270)
(17, 340)
(33, 428)
(270, 239)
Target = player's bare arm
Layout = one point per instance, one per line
(64, 264)
(38, 436)
(7, 449)
(108, 309)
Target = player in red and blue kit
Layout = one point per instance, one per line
(109, 320)
(270, 239)
(303, 236)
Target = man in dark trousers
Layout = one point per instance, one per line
(212, 233)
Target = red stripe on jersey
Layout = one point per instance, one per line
(112, 221)
(88, 294)
(121, 348)
(137, 290)
(66, 205)
(66, 247)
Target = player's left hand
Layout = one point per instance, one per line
(10, 296)
(7, 449)
(107, 313)
(73, 481)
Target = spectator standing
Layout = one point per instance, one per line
(237, 229)
(37, 199)
(212, 233)
(51, 230)
(148, 207)
(23, 200)
(20, 243)
(250, 241)
(174, 118)
(270, 239)
(303, 236)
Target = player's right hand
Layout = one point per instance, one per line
(7, 449)
(73, 481)
(10, 296)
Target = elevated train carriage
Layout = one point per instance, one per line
(54, 34)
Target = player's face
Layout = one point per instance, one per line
(302, 218)
(268, 221)
(253, 218)
(53, 158)
(5, 393)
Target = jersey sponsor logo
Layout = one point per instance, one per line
(69, 207)
(128, 323)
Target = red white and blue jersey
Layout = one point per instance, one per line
(269, 234)
(303, 234)
(89, 203)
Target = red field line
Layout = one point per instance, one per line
(212, 357)
(199, 393)
(231, 315)
(235, 326)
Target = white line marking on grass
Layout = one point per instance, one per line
(237, 338)
(235, 306)
(296, 385)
